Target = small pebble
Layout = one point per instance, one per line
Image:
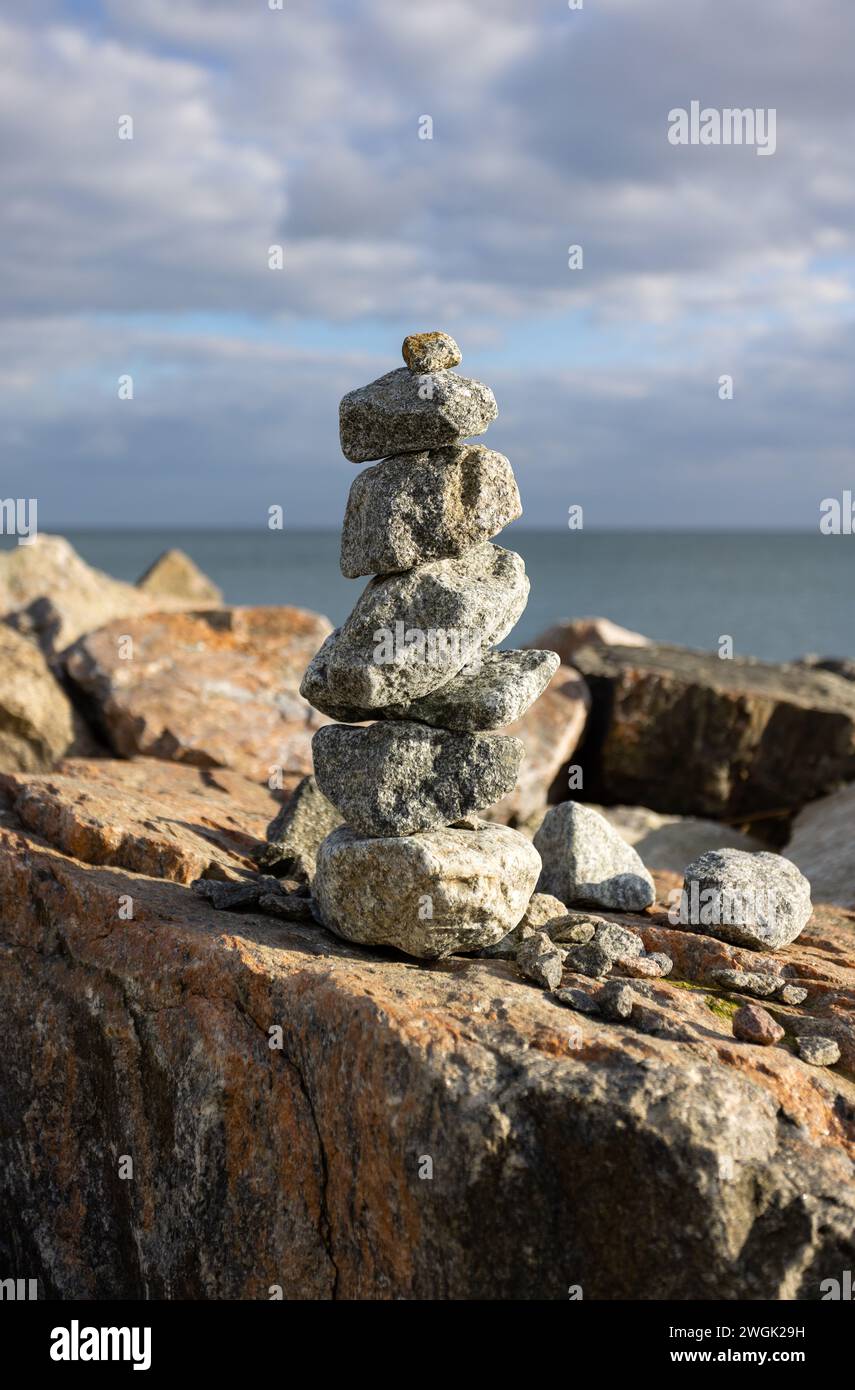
(430, 352)
(543, 909)
(617, 941)
(747, 982)
(615, 1000)
(589, 960)
(753, 1024)
(228, 896)
(818, 1052)
(792, 994)
(540, 961)
(577, 999)
(643, 967)
(572, 926)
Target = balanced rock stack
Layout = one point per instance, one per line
(412, 867)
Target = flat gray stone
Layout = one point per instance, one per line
(759, 983)
(585, 860)
(577, 1000)
(410, 634)
(426, 506)
(400, 778)
(428, 894)
(430, 352)
(403, 413)
(589, 960)
(758, 900)
(498, 693)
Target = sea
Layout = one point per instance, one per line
(777, 595)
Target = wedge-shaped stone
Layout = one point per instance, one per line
(402, 412)
(409, 634)
(586, 861)
(429, 894)
(493, 695)
(399, 778)
(426, 506)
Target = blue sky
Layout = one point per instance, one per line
(255, 127)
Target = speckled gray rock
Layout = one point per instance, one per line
(615, 1000)
(792, 994)
(577, 1000)
(818, 1052)
(759, 983)
(429, 894)
(589, 960)
(618, 942)
(757, 900)
(576, 927)
(585, 860)
(296, 831)
(497, 693)
(409, 634)
(426, 506)
(539, 961)
(542, 910)
(430, 352)
(397, 779)
(402, 413)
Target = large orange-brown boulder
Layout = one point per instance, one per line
(217, 688)
(305, 1116)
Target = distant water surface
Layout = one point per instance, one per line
(778, 595)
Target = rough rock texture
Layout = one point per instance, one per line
(672, 842)
(296, 831)
(175, 576)
(756, 982)
(429, 894)
(540, 961)
(299, 1164)
(52, 595)
(586, 861)
(757, 900)
(687, 733)
(819, 1052)
(426, 506)
(158, 819)
(215, 689)
(754, 1025)
(821, 844)
(551, 731)
(430, 352)
(542, 909)
(36, 722)
(497, 692)
(402, 413)
(463, 605)
(397, 779)
(568, 637)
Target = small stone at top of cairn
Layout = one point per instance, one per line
(412, 867)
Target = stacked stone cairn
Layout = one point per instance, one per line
(412, 866)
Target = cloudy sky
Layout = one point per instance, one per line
(255, 126)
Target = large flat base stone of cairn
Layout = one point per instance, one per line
(429, 895)
(399, 778)
(411, 633)
(586, 861)
(427, 506)
(403, 413)
(489, 696)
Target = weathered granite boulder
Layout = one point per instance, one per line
(586, 861)
(280, 1093)
(821, 844)
(411, 633)
(403, 413)
(688, 733)
(442, 891)
(215, 689)
(53, 596)
(36, 721)
(426, 506)
(400, 778)
(175, 576)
